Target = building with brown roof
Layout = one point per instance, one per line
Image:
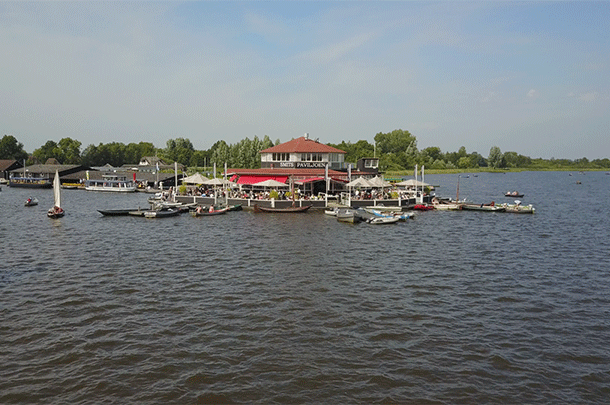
(313, 166)
(7, 165)
(303, 153)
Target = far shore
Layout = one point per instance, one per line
(489, 170)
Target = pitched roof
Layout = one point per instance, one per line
(302, 145)
(5, 164)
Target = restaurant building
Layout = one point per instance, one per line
(313, 167)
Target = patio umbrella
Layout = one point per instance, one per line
(379, 182)
(359, 182)
(196, 178)
(270, 183)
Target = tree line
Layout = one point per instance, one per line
(396, 150)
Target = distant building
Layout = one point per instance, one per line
(368, 165)
(8, 165)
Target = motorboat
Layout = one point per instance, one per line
(517, 208)
(383, 220)
(30, 202)
(161, 213)
(347, 215)
(491, 207)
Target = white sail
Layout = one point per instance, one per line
(57, 190)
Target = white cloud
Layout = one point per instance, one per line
(533, 93)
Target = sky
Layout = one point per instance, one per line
(528, 77)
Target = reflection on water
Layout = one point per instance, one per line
(452, 307)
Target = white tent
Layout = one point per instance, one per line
(196, 178)
(270, 183)
(359, 182)
(412, 183)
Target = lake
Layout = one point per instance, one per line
(448, 308)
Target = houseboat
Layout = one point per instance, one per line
(30, 182)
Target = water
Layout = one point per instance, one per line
(449, 308)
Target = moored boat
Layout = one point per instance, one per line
(347, 215)
(304, 208)
(161, 213)
(202, 212)
(30, 182)
(384, 220)
(381, 208)
(492, 207)
(112, 183)
(423, 207)
(117, 212)
(513, 194)
(517, 208)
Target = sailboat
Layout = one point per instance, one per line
(56, 211)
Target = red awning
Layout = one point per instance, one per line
(310, 180)
(257, 179)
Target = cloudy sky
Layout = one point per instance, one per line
(529, 77)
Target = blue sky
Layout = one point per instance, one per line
(529, 77)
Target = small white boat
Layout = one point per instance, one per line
(383, 220)
(30, 202)
(517, 208)
(332, 212)
(347, 215)
(381, 208)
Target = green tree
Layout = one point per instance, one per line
(69, 151)
(221, 153)
(464, 162)
(478, 160)
(396, 141)
(267, 143)
(355, 151)
(46, 151)
(134, 152)
(178, 150)
(433, 152)
(10, 148)
(495, 157)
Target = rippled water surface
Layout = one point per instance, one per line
(451, 307)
